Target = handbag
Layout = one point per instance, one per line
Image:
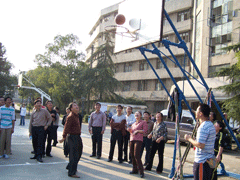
(212, 163)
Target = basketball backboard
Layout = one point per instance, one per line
(143, 20)
(20, 76)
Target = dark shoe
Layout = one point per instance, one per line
(109, 160)
(130, 162)
(34, 157)
(144, 164)
(142, 175)
(159, 172)
(74, 176)
(92, 155)
(54, 144)
(133, 172)
(66, 156)
(120, 161)
(32, 152)
(98, 157)
(39, 159)
(49, 155)
(147, 169)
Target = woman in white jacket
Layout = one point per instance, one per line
(23, 114)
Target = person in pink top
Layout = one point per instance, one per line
(136, 139)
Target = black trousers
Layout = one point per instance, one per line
(75, 148)
(147, 144)
(48, 136)
(154, 148)
(38, 140)
(65, 148)
(55, 134)
(125, 146)
(116, 136)
(97, 141)
(205, 171)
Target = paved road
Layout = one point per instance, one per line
(19, 166)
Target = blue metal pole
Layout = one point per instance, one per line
(183, 45)
(190, 83)
(223, 171)
(157, 52)
(174, 157)
(184, 70)
(164, 87)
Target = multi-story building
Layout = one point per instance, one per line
(205, 25)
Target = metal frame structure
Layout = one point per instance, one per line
(183, 46)
(33, 87)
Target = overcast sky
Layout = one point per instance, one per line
(26, 26)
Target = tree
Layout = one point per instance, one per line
(102, 83)
(63, 64)
(232, 105)
(7, 80)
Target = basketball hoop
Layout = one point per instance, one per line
(122, 31)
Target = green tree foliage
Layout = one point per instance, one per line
(40, 78)
(59, 70)
(232, 105)
(102, 83)
(6, 79)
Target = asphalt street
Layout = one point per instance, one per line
(19, 166)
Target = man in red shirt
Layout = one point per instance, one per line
(72, 132)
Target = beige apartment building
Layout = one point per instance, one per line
(205, 25)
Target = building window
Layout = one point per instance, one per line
(159, 64)
(127, 67)
(184, 15)
(165, 21)
(165, 38)
(142, 85)
(213, 69)
(143, 65)
(127, 86)
(185, 36)
(116, 68)
(158, 106)
(158, 85)
(181, 61)
(217, 50)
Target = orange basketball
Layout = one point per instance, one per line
(120, 19)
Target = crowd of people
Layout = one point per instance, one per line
(132, 133)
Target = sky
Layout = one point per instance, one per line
(27, 26)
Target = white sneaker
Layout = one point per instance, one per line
(6, 156)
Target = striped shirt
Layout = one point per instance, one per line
(7, 115)
(206, 134)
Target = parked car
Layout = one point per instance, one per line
(186, 124)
